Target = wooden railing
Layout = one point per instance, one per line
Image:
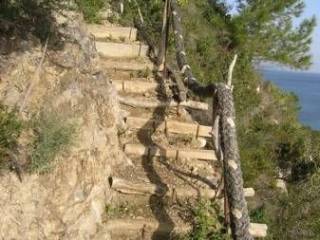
(224, 133)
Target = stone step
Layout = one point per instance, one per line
(107, 33)
(141, 228)
(121, 50)
(123, 64)
(136, 86)
(170, 126)
(141, 150)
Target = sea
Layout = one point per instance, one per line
(306, 86)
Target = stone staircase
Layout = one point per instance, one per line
(117, 42)
(173, 164)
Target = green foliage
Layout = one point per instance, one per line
(258, 215)
(265, 29)
(298, 217)
(90, 9)
(10, 129)
(22, 17)
(206, 223)
(183, 2)
(53, 137)
(270, 136)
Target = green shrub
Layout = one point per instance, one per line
(206, 225)
(10, 129)
(91, 9)
(53, 136)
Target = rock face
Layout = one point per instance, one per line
(68, 202)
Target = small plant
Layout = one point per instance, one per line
(144, 73)
(206, 224)
(258, 215)
(53, 136)
(10, 129)
(119, 210)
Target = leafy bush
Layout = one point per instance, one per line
(10, 129)
(91, 9)
(22, 17)
(53, 136)
(206, 225)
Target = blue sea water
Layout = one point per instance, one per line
(306, 86)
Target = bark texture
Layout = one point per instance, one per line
(189, 80)
(239, 216)
(181, 92)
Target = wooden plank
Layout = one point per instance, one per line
(144, 228)
(135, 86)
(135, 64)
(136, 226)
(145, 188)
(124, 50)
(145, 103)
(103, 32)
(141, 150)
(172, 126)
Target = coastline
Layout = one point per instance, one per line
(306, 85)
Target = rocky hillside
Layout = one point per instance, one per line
(56, 185)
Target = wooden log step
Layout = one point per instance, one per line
(258, 230)
(145, 76)
(103, 32)
(139, 226)
(123, 50)
(127, 187)
(135, 86)
(144, 103)
(170, 126)
(138, 64)
(141, 150)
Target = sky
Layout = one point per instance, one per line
(312, 8)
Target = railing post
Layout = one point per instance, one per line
(164, 37)
(238, 210)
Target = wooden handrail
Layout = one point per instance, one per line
(190, 81)
(225, 113)
(224, 123)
